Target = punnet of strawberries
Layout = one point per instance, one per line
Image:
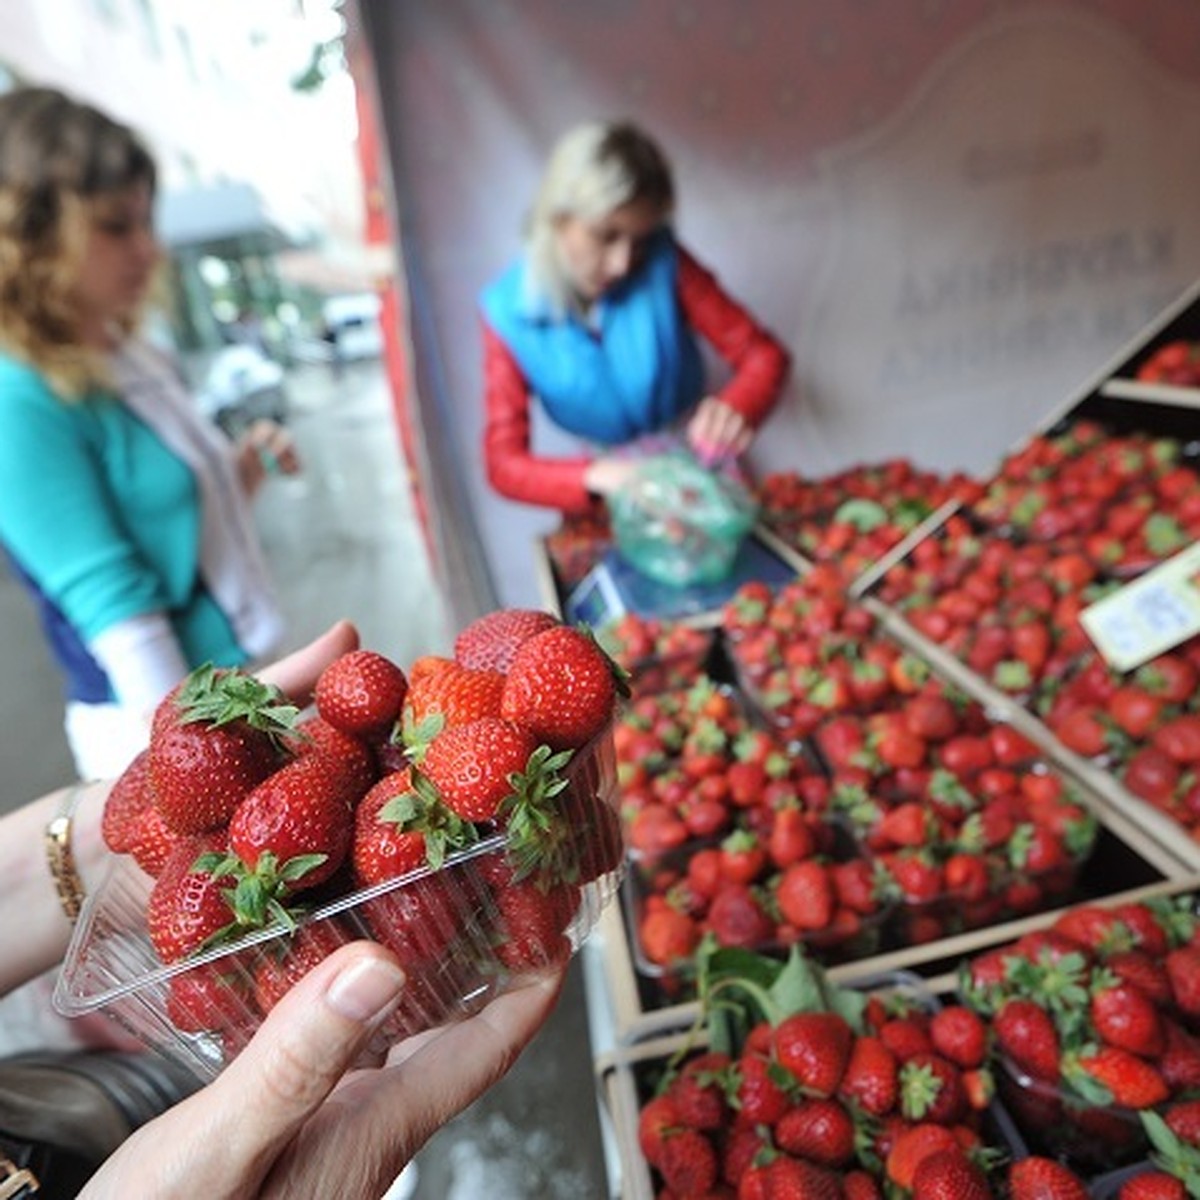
(794, 1087)
(1095, 1028)
(461, 811)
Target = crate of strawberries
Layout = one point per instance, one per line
(461, 812)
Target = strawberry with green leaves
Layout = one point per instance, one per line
(400, 826)
(477, 766)
(216, 736)
(189, 906)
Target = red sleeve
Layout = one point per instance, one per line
(511, 468)
(759, 361)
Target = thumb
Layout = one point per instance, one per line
(306, 1044)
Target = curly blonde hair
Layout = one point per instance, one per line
(57, 158)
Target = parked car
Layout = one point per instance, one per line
(351, 326)
(243, 385)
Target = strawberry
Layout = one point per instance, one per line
(820, 1130)
(458, 693)
(815, 1048)
(1144, 972)
(931, 1089)
(293, 830)
(400, 826)
(1037, 1178)
(209, 998)
(805, 895)
(698, 1092)
(131, 823)
(1180, 1060)
(534, 912)
(869, 1079)
(419, 920)
(688, 1163)
(949, 1175)
(362, 693)
(489, 642)
(860, 1185)
(562, 686)
(760, 1099)
(127, 800)
(737, 918)
(912, 1145)
(1130, 1081)
(1153, 1185)
(1183, 1119)
(1124, 1016)
(476, 766)
(785, 1178)
(214, 740)
(1026, 1033)
(1183, 970)
(285, 961)
(668, 936)
(657, 1119)
(906, 1036)
(187, 905)
(315, 735)
(959, 1034)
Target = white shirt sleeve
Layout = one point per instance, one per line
(142, 659)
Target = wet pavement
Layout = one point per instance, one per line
(342, 541)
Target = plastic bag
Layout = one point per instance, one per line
(679, 523)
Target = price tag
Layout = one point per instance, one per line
(1150, 615)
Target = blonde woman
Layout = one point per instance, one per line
(598, 319)
(125, 514)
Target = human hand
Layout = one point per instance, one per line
(290, 1117)
(607, 475)
(717, 431)
(265, 448)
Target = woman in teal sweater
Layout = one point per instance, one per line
(125, 514)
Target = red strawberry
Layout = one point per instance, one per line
(815, 1048)
(286, 960)
(870, 1076)
(668, 936)
(187, 904)
(906, 1036)
(805, 895)
(820, 1130)
(294, 830)
(1026, 1033)
(959, 1034)
(760, 1099)
(400, 826)
(656, 1120)
(1132, 1082)
(1153, 1185)
(562, 686)
(1183, 969)
(127, 800)
(949, 1175)
(534, 913)
(1180, 1061)
(214, 740)
(1037, 1178)
(912, 1145)
(737, 918)
(361, 692)
(1123, 1016)
(473, 765)
(698, 1091)
(931, 1089)
(458, 693)
(784, 1178)
(314, 735)
(211, 997)
(490, 641)
(1183, 1118)
(688, 1163)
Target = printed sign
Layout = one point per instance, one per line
(1150, 615)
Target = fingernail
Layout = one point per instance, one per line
(366, 991)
